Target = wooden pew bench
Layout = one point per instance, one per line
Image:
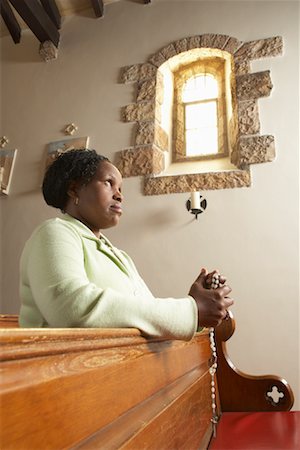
(114, 389)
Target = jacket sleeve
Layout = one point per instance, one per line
(54, 270)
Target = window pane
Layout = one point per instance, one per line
(201, 115)
(201, 142)
(200, 87)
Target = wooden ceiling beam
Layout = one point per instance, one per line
(53, 12)
(10, 21)
(37, 19)
(98, 7)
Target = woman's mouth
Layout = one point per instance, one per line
(117, 208)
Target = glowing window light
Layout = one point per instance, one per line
(200, 95)
(200, 87)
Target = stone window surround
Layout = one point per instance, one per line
(146, 157)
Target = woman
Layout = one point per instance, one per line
(72, 276)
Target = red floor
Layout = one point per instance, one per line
(258, 431)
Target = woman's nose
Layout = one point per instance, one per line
(118, 196)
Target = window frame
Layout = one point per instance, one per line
(214, 66)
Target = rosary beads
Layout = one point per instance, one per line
(215, 283)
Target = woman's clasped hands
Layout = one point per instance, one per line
(212, 304)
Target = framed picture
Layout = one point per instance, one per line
(57, 147)
(7, 161)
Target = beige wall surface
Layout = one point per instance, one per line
(249, 234)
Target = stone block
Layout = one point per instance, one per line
(254, 85)
(202, 181)
(241, 66)
(48, 51)
(146, 90)
(145, 133)
(255, 150)
(169, 51)
(150, 133)
(147, 71)
(181, 45)
(137, 72)
(194, 42)
(232, 44)
(261, 48)
(130, 74)
(139, 112)
(157, 59)
(213, 40)
(141, 161)
(248, 117)
(161, 138)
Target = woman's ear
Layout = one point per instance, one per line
(73, 190)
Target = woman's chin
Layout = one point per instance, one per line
(111, 223)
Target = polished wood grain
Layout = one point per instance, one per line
(176, 417)
(108, 389)
(61, 387)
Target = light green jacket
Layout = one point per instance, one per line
(70, 278)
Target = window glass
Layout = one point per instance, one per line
(201, 119)
(202, 142)
(200, 87)
(201, 114)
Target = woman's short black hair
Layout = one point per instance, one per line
(73, 165)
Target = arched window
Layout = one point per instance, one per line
(200, 110)
(171, 152)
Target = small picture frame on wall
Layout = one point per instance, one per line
(55, 148)
(7, 162)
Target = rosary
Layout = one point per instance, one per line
(215, 283)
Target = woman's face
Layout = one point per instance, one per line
(99, 202)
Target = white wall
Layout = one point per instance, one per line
(250, 234)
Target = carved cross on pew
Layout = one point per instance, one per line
(275, 395)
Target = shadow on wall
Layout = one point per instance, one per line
(26, 53)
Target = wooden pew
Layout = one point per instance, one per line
(115, 389)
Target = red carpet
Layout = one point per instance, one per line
(258, 431)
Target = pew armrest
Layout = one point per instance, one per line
(242, 392)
